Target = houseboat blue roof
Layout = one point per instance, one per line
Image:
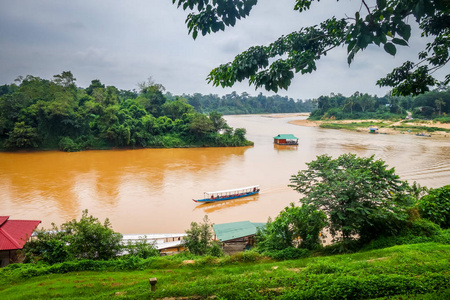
(235, 230)
(285, 137)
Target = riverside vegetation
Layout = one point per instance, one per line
(390, 240)
(43, 114)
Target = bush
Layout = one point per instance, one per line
(215, 249)
(68, 145)
(198, 239)
(423, 227)
(84, 239)
(141, 248)
(295, 226)
(436, 206)
(288, 253)
(417, 231)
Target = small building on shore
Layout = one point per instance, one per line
(13, 236)
(373, 129)
(237, 236)
(285, 139)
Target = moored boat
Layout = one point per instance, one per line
(229, 194)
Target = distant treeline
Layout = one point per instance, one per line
(431, 105)
(234, 104)
(56, 114)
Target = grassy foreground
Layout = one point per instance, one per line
(419, 271)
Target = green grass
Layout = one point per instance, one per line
(419, 271)
(353, 125)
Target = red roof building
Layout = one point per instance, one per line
(13, 236)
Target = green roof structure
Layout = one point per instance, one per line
(285, 137)
(235, 230)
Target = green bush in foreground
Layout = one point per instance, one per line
(83, 239)
(436, 206)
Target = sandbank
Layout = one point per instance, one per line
(389, 127)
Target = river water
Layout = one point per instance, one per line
(151, 190)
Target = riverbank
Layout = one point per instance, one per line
(418, 271)
(384, 126)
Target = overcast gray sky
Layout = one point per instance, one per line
(125, 42)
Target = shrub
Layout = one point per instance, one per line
(295, 226)
(215, 249)
(68, 145)
(141, 248)
(436, 206)
(198, 239)
(87, 238)
(250, 256)
(288, 253)
(417, 231)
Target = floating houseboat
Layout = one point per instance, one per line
(285, 139)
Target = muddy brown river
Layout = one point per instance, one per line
(151, 190)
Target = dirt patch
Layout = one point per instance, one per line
(188, 262)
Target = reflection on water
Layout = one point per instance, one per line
(216, 206)
(151, 190)
(285, 147)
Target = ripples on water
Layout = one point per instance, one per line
(151, 190)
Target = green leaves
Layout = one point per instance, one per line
(213, 16)
(381, 25)
(436, 206)
(390, 48)
(354, 192)
(295, 226)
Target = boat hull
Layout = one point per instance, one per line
(208, 200)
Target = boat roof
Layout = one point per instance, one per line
(232, 190)
(230, 231)
(285, 137)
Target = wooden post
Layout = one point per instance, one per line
(152, 283)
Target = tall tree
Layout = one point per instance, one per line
(354, 192)
(383, 24)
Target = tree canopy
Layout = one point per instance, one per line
(356, 193)
(39, 113)
(384, 23)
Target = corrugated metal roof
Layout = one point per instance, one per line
(285, 137)
(230, 231)
(15, 233)
(152, 236)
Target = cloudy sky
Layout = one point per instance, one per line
(125, 42)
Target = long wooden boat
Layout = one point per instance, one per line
(228, 194)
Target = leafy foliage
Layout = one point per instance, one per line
(43, 114)
(244, 103)
(295, 226)
(384, 24)
(141, 248)
(83, 239)
(436, 206)
(356, 193)
(198, 240)
(429, 105)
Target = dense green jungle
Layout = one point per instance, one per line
(43, 114)
(430, 105)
